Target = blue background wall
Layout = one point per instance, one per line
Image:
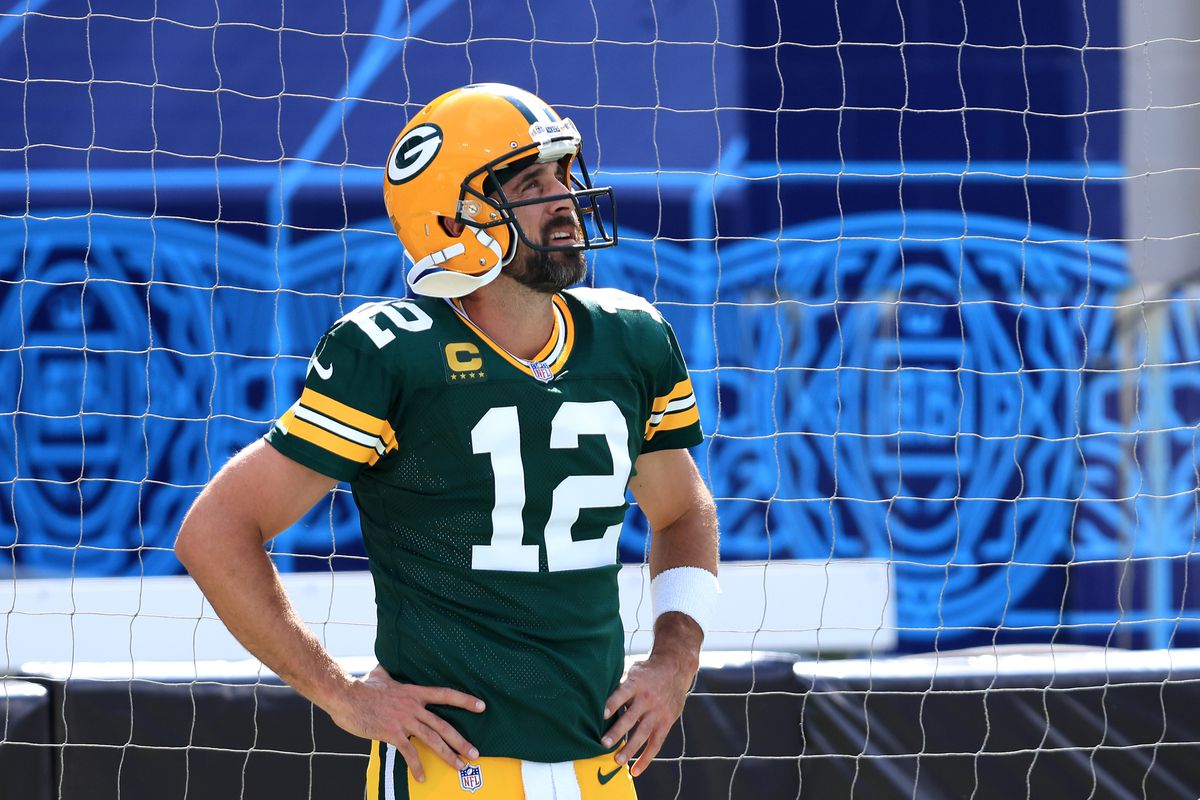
(888, 239)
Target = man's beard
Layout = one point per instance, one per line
(547, 272)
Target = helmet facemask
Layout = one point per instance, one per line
(559, 141)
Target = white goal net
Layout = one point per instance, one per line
(931, 265)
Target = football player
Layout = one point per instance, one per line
(488, 431)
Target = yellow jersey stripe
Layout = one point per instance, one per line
(326, 440)
(551, 343)
(388, 437)
(569, 335)
(560, 324)
(333, 426)
(346, 414)
(681, 389)
(671, 422)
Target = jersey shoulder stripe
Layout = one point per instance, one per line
(338, 428)
(337, 410)
(673, 410)
(292, 425)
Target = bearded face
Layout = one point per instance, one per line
(552, 271)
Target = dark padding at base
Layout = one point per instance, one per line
(26, 757)
(153, 740)
(1087, 724)
(740, 731)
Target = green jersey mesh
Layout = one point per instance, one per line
(490, 500)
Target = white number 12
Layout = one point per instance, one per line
(498, 434)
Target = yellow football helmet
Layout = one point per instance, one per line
(451, 160)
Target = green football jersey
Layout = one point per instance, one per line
(492, 492)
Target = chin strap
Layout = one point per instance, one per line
(488, 241)
(430, 271)
(435, 259)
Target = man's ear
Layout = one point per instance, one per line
(451, 226)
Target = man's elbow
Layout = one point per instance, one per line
(212, 533)
(200, 537)
(188, 542)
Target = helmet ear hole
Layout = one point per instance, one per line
(451, 226)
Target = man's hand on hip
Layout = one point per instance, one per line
(378, 707)
(654, 691)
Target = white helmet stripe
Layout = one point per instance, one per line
(528, 103)
(535, 103)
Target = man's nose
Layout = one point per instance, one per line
(562, 200)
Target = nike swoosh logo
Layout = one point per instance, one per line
(325, 372)
(605, 777)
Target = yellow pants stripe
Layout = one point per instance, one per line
(373, 773)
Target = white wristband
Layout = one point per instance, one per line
(688, 590)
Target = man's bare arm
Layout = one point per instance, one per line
(254, 497)
(683, 524)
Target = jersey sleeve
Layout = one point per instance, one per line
(674, 420)
(339, 426)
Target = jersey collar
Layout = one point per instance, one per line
(549, 362)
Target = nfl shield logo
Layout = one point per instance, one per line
(541, 371)
(471, 778)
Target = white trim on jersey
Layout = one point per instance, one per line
(682, 404)
(561, 327)
(560, 330)
(331, 425)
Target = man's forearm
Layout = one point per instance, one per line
(691, 541)
(243, 587)
(677, 638)
(653, 693)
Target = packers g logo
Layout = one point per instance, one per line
(413, 153)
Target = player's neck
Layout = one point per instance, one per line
(515, 317)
